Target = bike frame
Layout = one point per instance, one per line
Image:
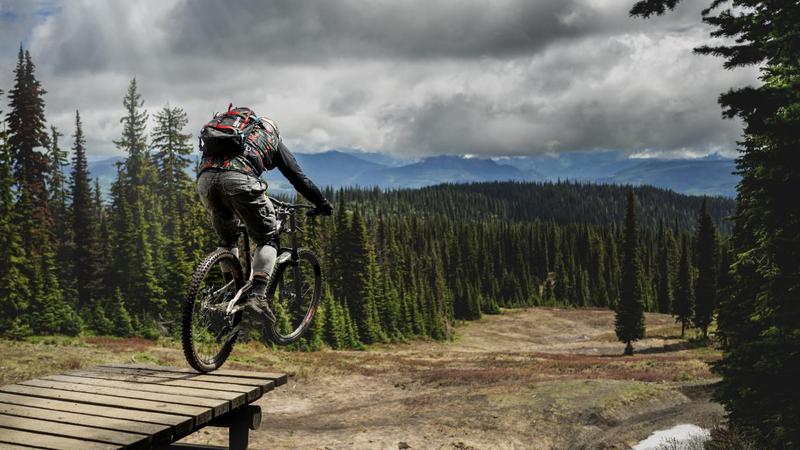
(284, 253)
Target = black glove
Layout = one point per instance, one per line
(324, 209)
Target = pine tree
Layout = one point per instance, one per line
(629, 323)
(441, 302)
(562, 285)
(363, 281)
(87, 272)
(172, 148)
(683, 304)
(134, 126)
(122, 322)
(760, 325)
(665, 271)
(61, 212)
(56, 183)
(27, 132)
(27, 136)
(334, 325)
(140, 219)
(99, 322)
(707, 271)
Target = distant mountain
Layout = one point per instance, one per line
(380, 158)
(334, 168)
(584, 166)
(688, 176)
(443, 169)
(337, 168)
(711, 175)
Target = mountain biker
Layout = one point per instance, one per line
(230, 186)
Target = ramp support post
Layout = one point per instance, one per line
(238, 422)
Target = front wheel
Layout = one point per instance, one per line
(208, 333)
(295, 290)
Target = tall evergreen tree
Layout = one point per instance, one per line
(171, 157)
(363, 288)
(665, 270)
(707, 271)
(141, 218)
(760, 329)
(87, 272)
(629, 320)
(60, 209)
(56, 184)
(683, 304)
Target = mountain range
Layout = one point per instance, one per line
(711, 175)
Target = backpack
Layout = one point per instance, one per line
(227, 132)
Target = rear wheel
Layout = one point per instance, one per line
(208, 333)
(294, 294)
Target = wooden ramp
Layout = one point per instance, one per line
(130, 406)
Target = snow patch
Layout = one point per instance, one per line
(679, 437)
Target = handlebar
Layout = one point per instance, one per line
(291, 208)
(281, 204)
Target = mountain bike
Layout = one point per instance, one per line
(214, 305)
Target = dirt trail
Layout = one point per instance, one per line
(530, 379)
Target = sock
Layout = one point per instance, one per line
(259, 286)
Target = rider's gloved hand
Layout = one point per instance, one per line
(324, 209)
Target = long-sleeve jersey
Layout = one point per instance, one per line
(265, 150)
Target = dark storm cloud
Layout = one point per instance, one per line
(305, 32)
(314, 32)
(492, 78)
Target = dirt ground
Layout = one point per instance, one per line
(530, 379)
(540, 378)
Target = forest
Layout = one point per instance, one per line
(399, 264)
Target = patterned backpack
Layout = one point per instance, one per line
(227, 133)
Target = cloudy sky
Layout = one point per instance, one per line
(410, 77)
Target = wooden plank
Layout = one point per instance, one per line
(200, 415)
(236, 399)
(179, 424)
(252, 392)
(26, 438)
(193, 376)
(219, 407)
(119, 438)
(4, 446)
(278, 378)
(159, 433)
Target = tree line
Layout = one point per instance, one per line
(398, 264)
